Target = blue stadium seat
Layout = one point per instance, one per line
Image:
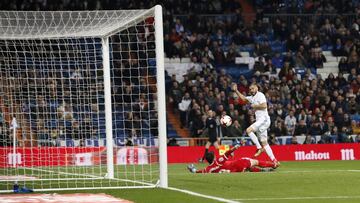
(69, 143)
(288, 141)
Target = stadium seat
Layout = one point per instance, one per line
(69, 143)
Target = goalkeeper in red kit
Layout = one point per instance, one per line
(222, 164)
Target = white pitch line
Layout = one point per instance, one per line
(318, 171)
(62, 173)
(204, 196)
(91, 176)
(297, 198)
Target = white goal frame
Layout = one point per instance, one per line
(104, 33)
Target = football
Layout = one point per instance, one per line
(226, 120)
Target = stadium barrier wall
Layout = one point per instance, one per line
(75, 156)
(87, 156)
(309, 152)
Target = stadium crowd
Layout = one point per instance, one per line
(303, 104)
(299, 104)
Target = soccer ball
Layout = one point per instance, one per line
(226, 121)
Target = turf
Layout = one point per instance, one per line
(313, 181)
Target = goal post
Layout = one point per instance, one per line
(87, 89)
(161, 95)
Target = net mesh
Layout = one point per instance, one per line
(52, 82)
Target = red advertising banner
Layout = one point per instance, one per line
(50, 156)
(87, 156)
(74, 156)
(281, 152)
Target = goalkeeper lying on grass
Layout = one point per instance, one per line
(222, 164)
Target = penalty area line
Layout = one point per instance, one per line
(297, 198)
(220, 199)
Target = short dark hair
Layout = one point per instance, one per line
(209, 156)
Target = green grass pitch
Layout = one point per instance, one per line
(313, 181)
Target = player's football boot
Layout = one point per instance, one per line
(276, 163)
(267, 169)
(191, 168)
(258, 152)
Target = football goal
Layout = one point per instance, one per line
(82, 100)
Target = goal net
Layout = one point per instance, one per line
(82, 100)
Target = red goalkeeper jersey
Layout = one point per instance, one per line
(239, 165)
(222, 164)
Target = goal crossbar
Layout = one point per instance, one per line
(66, 24)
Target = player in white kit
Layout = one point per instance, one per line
(259, 104)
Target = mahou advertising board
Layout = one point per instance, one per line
(312, 152)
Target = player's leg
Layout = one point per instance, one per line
(258, 169)
(250, 131)
(262, 164)
(207, 146)
(216, 144)
(264, 143)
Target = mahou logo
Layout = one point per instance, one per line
(347, 154)
(301, 155)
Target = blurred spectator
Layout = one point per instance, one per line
(343, 66)
(272, 140)
(235, 130)
(301, 128)
(290, 123)
(184, 107)
(172, 143)
(344, 136)
(309, 140)
(294, 140)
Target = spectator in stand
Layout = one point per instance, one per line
(338, 49)
(355, 127)
(278, 60)
(345, 136)
(235, 130)
(290, 123)
(269, 67)
(294, 140)
(309, 140)
(273, 140)
(343, 65)
(279, 129)
(292, 43)
(300, 60)
(316, 126)
(172, 143)
(353, 60)
(184, 108)
(175, 95)
(301, 128)
(317, 59)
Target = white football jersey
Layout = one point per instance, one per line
(258, 98)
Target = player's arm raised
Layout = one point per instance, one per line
(229, 153)
(236, 91)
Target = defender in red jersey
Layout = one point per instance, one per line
(222, 164)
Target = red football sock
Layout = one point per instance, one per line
(266, 164)
(255, 169)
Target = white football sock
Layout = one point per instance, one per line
(269, 152)
(255, 140)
